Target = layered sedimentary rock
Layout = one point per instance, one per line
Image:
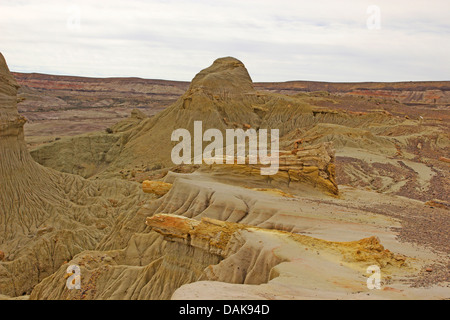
(380, 142)
(157, 188)
(222, 96)
(312, 166)
(217, 254)
(220, 231)
(219, 237)
(147, 268)
(206, 239)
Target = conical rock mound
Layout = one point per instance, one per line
(222, 96)
(224, 75)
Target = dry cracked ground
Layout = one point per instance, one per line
(363, 182)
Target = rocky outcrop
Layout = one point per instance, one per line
(218, 237)
(223, 97)
(220, 231)
(157, 188)
(11, 124)
(46, 217)
(204, 239)
(312, 166)
(208, 234)
(149, 267)
(214, 254)
(226, 76)
(255, 256)
(367, 122)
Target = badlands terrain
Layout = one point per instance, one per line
(87, 180)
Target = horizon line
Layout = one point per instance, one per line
(256, 82)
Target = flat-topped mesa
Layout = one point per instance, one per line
(225, 76)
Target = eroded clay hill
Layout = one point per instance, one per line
(221, 96)
(224, 231)
(203, 239)
(375, 148)
(46, 216)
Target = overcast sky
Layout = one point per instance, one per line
(277, 40)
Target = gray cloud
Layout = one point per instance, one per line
(277, 40)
